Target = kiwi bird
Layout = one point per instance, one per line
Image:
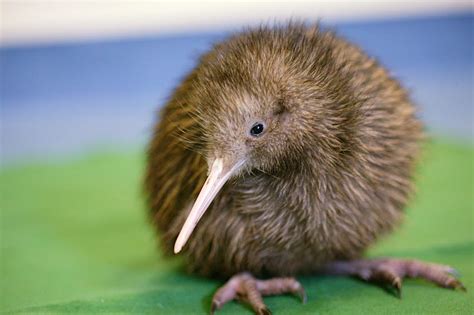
(286, 151)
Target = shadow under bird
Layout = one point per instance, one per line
(286, 151)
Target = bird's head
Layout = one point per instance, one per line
(258, 102)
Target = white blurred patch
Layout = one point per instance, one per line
(30, 21)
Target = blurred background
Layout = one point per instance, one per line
(87, 75)
(80, 85)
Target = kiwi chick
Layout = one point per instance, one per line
(286, 151)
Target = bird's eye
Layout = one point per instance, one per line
(257, 129)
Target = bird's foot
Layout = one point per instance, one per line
(392, 272)
(245, 287)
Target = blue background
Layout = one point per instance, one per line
(63, 99)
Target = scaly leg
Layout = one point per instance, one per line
(244, 286)
(392, 271)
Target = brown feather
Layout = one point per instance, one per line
(332, 175)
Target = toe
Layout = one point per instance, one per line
(397, 283)
(388, 276)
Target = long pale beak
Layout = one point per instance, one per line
(218, 176)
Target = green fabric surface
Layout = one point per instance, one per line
(74, 239)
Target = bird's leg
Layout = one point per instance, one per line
(392, 271)
(245, 287)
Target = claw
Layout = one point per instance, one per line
(214, 307)
(397, 284)
(456, 284)
(264, 311)
(462, 287)
(301, 293)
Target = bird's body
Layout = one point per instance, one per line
(330, 175)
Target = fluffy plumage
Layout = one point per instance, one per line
(332, 173)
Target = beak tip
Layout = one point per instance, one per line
(177, 248)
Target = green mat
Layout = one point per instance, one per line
(74, 239)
